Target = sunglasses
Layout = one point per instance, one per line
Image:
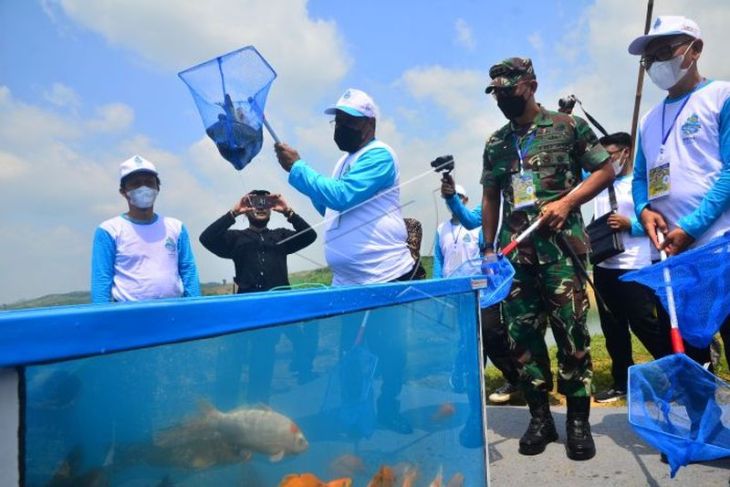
(664, 53)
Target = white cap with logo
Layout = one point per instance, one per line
(356, 103)
(136, 164)
(666, 25)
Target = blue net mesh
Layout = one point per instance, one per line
(498, 279)
(681, 409)
(700, 281)
(230, 92)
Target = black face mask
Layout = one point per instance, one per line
(347, 139)
(512, 106)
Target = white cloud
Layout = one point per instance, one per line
(536, 41)
(171, 35)
(464, 35)
(114, 117)
(11, 166)
(62, 96)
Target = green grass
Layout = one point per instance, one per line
(601, 367)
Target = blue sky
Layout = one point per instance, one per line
(86, 84)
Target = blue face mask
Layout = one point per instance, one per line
(142, 197)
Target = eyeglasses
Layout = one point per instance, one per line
(664, 53)
(354, 124)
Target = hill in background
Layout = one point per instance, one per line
(321, 276)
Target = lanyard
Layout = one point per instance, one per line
(520, 147)
(665, 135)
(455, 239)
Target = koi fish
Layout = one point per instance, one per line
(244, 430)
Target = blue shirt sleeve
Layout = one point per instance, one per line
(639, 190)
(637, 229)
(469, 219)
(103, 254)
(717, 200)
(372, 172)
(186, 265)
(438, 258)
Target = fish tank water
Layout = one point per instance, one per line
(377, 384)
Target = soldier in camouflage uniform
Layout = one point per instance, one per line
(535, 161)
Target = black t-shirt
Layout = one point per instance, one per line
(259, 257)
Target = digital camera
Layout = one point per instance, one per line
(443, 164)
(261, 201)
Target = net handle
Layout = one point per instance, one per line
(256, 107)
(534, 226)
(675, 335)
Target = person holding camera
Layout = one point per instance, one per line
(495, 339)
(365, 240)
(259, 255)
(630, 304)
(141, 255)
(534, 163)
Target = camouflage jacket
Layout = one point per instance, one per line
(563, 145)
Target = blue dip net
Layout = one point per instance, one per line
(674, 404)
(230, 92)
(681, 409)
(497, 281)
(700, 280)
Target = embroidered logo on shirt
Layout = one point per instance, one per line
(170, 245)
(691, 126)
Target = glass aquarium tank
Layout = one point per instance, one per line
(342, 386)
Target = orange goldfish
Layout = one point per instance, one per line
(456, 481)
(444, 411)
(385, 477)
(311, 480)
(438, 481)
(409, 477)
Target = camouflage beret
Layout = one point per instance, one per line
(507, 73)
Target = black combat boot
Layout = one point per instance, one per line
(541, 430)
(579, 445)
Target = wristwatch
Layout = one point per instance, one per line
(289, 213)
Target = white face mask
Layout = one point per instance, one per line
(142, 197)
(666, 74)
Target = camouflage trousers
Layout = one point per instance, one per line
(557, 292)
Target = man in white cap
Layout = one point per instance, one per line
(365, 238)
(141, 255)
(681, 183)
(365, 235)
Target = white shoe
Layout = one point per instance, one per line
(504, 394)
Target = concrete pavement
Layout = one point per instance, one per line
(622, 458)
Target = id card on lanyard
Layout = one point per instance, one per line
(523, 185)
(658, 171)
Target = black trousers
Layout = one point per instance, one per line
(495, 343)
(632, 306)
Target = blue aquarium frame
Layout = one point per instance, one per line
(47, 336)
